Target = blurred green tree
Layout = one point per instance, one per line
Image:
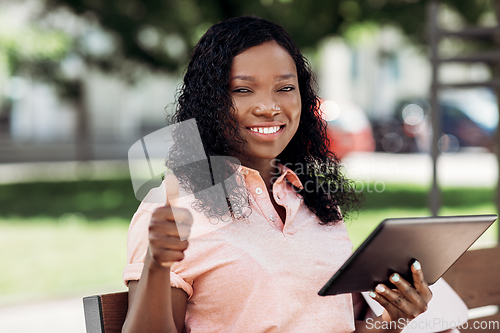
(161, 33)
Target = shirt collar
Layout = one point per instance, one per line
(285, 172)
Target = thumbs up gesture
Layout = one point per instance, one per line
(169, 228)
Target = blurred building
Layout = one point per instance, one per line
(41, 125)
(380, 69)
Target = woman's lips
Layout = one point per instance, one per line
(267, 130)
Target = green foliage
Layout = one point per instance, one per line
(106, 198)
(93, 199)
(415, 197)
(30, 46)
(161, 33)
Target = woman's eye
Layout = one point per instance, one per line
(290, 88)
(241, 90)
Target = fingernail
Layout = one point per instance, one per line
(417, 266)
(395, 277)
(372, 294)
(380, 288)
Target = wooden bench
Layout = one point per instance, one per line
(475, 277)
(105, 313)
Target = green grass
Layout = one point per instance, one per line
(44, 257)
(361, 226)
(69, 238)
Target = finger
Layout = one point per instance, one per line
(163, 242)
(391, 309)
(392, 296)
(419, 281)
(168, 257)
(398, 305)
(171, 243)
(172, 221)
(173, 214)
(171, 189)
(405, 289)
(158, 230)
(407, 299)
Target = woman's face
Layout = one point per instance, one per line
(264, 85)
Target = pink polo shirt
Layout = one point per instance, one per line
(258, 274)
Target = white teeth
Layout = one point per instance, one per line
(265, 130)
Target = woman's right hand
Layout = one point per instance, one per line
(155, 306)
(169, 228)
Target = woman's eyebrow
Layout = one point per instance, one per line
(285, 77)
(249, 78)
(244, 78)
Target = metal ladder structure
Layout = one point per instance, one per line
(492, 58)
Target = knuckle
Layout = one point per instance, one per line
(153, 225)
(176, 255)
(159, 211)
(153, 239)
(413, 314)
(176, 244)
(169, 256)
(182, 214)
(384, 302)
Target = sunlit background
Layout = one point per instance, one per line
(82, 80)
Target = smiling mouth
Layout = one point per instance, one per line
(266, 130)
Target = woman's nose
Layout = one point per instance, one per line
(270, 109)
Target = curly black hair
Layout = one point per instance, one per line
(205, 96)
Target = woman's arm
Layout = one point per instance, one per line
(154, 306)
(151, 302)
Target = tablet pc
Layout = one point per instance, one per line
(436, 242)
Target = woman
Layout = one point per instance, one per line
(257, 264)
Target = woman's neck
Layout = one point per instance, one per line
(268, 170)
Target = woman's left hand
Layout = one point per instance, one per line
(406, 302)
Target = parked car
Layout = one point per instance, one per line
(468, 119)
(349, 129)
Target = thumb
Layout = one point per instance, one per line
(171, 189)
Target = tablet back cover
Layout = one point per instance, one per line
(436, 242)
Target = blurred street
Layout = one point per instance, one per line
(57, 316)
(467, 169)
(459, 169)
